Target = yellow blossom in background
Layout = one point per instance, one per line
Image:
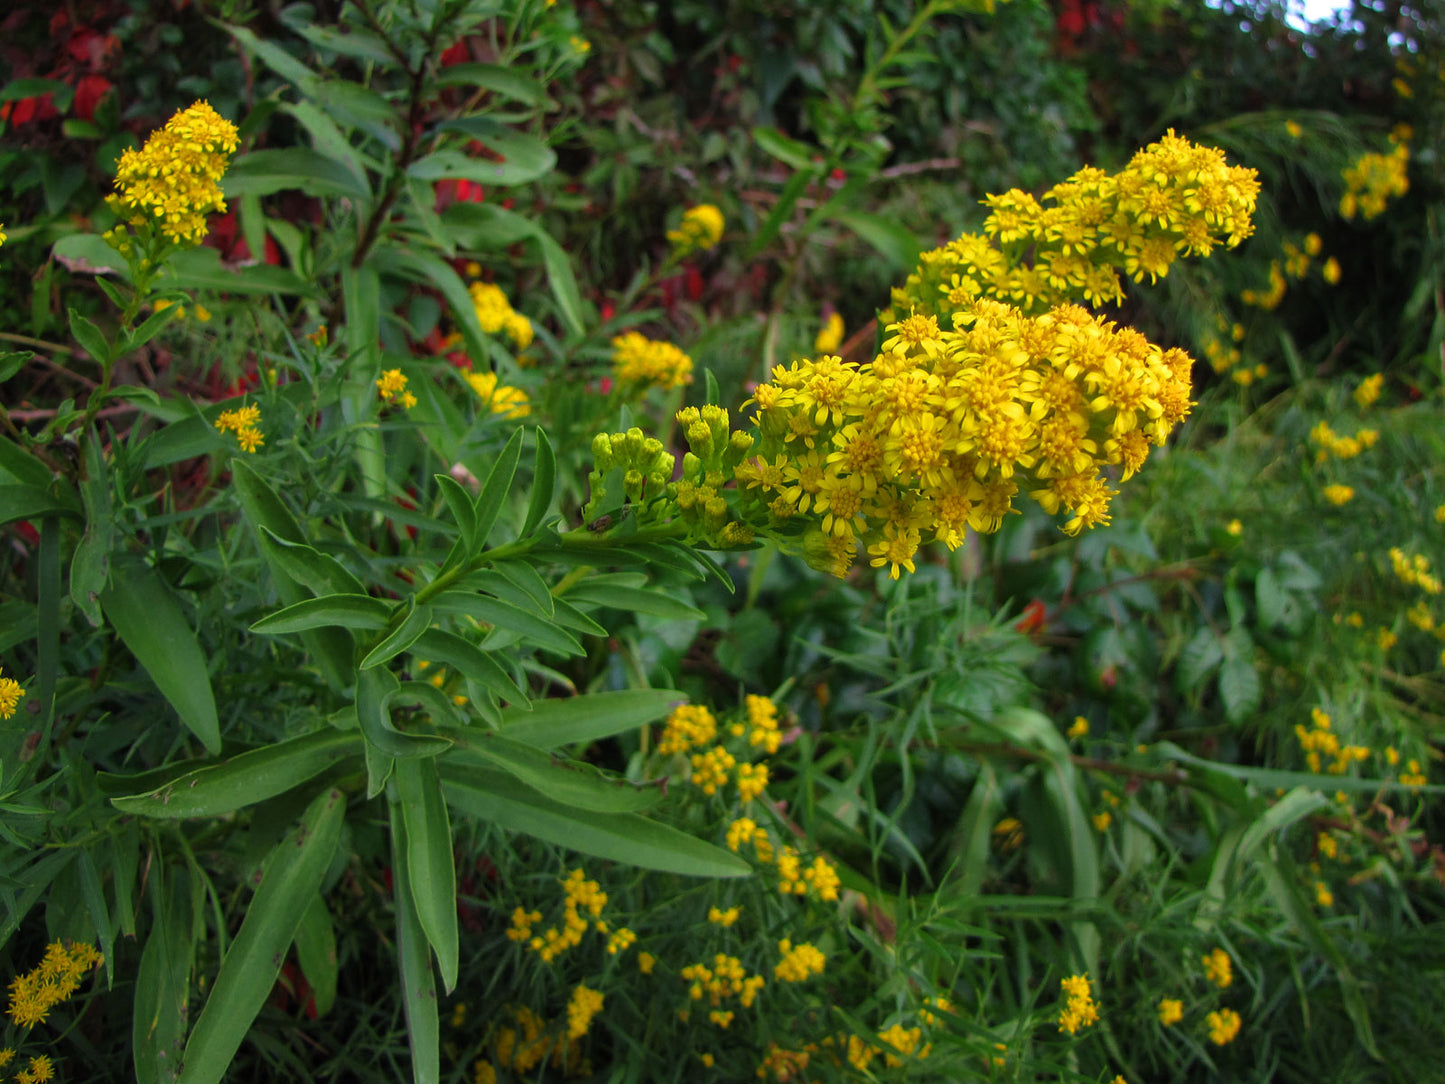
(643, 362)
(391, 386)
(10, 695)
(1171, 1011)
(1223, 1026)
(174, 180)
(484, 1072)
(581, 46)
(242, 421)
(1338, 494)
(1293, 128)
(37, 1071)
(798, 963)
(690, 726)
(1440, 513)
(1372, 179)
(1331, 271)
(1080, 1010)
(501, 399)
(1234, 527)
(1323, 896)
(719, 917)
(495, 314)
(1368, 391)
(583, 1005)
(1218, 968)
(646, 961)
(1102, 820)
(2, 233)
(1413, 775)
(700, 229)
(831, 337)
(905, 1043)
(1079, 728)
(55, 978)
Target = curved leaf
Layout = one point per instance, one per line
(328, 611)
(431, 870)
(551, 723)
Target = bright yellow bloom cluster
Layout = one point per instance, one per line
(1080, 1010)
(1223, 1026)
(242, 422)
(1338, 494)
(752, 780)
(940, 431)
(37, 1071)
(726, 978)
(2, 233)
(583, 1005)
(690, 726)
(1079, 728)
(391, 386)
(1171, 1011)
(10, 695)
(55, 978)
(1413, 775)
(905, 1042)
(799, 962)
(522, 923)
(831, 337)
(746, 830)
(502, 399)
(527, 1041)
(762, 725)
(710, 769)
(718, 917)
(1173, 198)
(1320, 741)
(1218, 967)
(495, 314)
(700, 229)
(174, 180)
(640, 362)
(1372, 179)
(820, 879)
(1414, 569)
(581, 895)
(1367, 393)
(1331, 443)
(620, 940)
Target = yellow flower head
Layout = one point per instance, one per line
(501, 399)
(10, 695)
(1171, 1011)
(644, 362)
(831, 337)
(1080, 1010)
(174, 180)
(1218, 968)
(701, 228)
(1223, 1026)
(1338, 495)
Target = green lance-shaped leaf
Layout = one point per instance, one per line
(163, 979)
(316, 953)
(329, 611)
(511, 618)
(149, 621)
(318, 572)
(634, 600)
(431, 871)
(544, 480)
(291, 876)
(974, 832)
(31, 502)
(494, 491)
(580, 786)
(459, 504)
(242, 780)
(470, 661)
(552, 723)
(374, 690)
(90, 567)
(418, 986)
(495, 795)
(416, 622)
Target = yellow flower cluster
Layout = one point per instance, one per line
(174, 180)
(798, 963)
(831, 337)
(820, 879)
(1331, 444)
(242, 422)
(1218, 967)
(1320, 741)
(1367, 393)
(522, 923)
(1171, 1011)
(1413, 775)
(690, 726)
(1372, 179)
(640, 362)
(511, 403)
(1080, 1010)
(762, 725)
(581, 895)
(1223, 1026)
(938, 433)
(700, 229)
(55, 978)
(710, 769)
(725, 979)
(495, 314)
(1294, 265)
(527, 1041)
(1414, 570)
(2, 233)
(38, 1070)
(391, 386)
(10, 695)
(1173, 198)
(718, 917)
(583, 1005)
(905, 1043)
(1338, 494)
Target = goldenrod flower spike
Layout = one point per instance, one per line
(174, 180)
(701, 228)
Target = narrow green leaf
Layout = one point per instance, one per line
(495, 795)
(90, 566)
(897, 245)
(570, 783)
(418, 987)
(150, 623)
(788, 199)
(341, 611)
(513, 620)
(240, 781)
(494, 492)
(528, 581)
(430, 867)
(544, 480)
(553, 723)
(416, 622)
(496, 78)
(633, 600)
(470, 661)
(28, 502)
(973, 836)
(316, 953)
(374, 690)
(289, 880)
(163, 979)
(21, 467)
(318, 572)
(459, 504)
(90, 338)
